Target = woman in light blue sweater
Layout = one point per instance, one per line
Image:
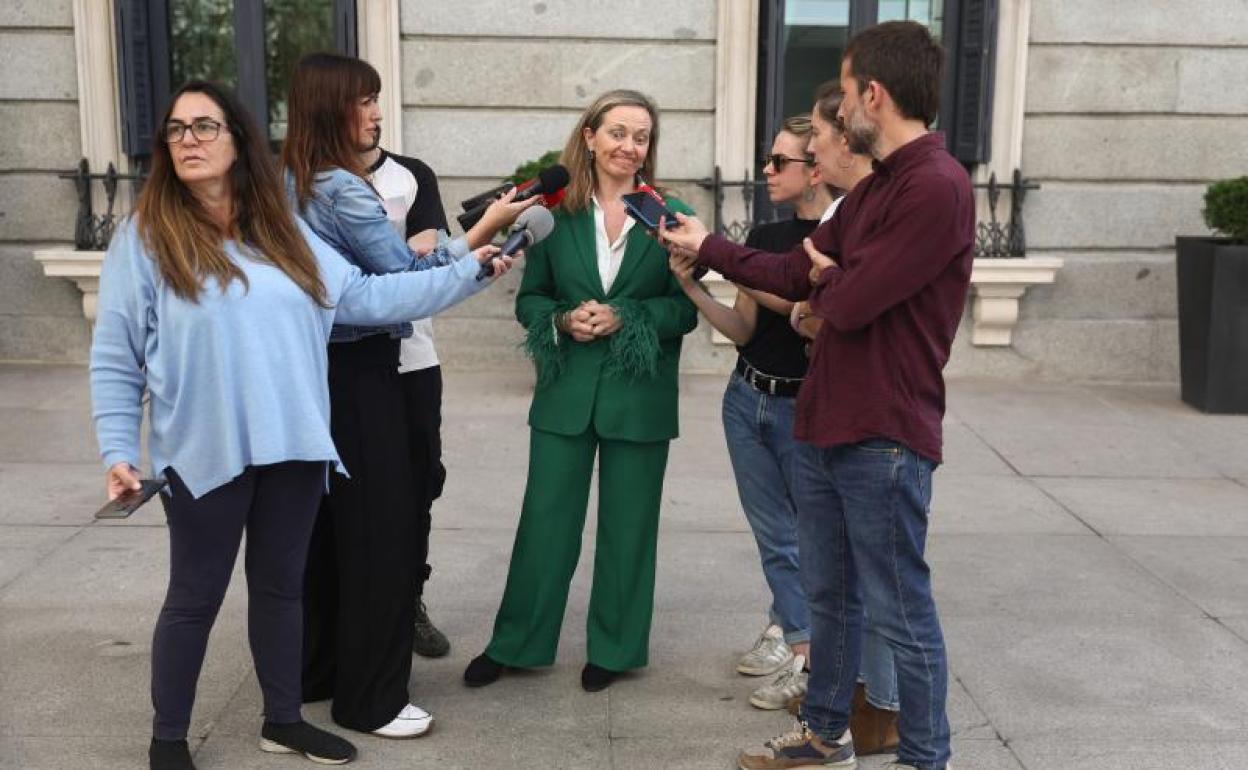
(218, 302)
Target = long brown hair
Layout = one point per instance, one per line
(321, 125)
(576, 155)
(188, 245)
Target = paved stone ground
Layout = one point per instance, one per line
(1090, 548)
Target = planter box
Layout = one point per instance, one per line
(1213, 324)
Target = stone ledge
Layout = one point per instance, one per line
(996, 287)
(81, 267)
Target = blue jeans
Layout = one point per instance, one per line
(759, 431)
(862, 519)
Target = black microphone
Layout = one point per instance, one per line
(486, 197)
(549, 181)
(531, 227)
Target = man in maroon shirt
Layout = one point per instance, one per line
(888, 274)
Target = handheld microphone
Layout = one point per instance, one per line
(531, 227)
(485, 197)
(549, 183)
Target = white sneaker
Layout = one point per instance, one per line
(790, 684)
(411, 722)
(770, 654)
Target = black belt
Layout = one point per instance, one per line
(765, 383)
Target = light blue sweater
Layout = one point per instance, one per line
(238, 378)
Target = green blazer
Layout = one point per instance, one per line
(624, 385)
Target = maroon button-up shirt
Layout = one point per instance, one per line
(902, 240)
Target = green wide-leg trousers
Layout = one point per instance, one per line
(548, 545)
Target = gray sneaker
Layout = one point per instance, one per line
(770, 654)
(429, 642)
(788, 685)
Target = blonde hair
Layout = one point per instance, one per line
(576, 156)
(797, 125)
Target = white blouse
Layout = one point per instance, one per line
(610, 255)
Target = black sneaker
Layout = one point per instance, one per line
(302, 738)
(169, 755)
(482, 670)
(596, 678)
(429, 641)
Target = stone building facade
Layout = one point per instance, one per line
(1121, 112)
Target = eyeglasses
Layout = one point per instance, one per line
(779, 162)
(204, 129)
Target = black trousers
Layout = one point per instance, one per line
(276, 505)
(422, 390)
(360, 604)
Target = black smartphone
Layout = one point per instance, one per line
(131, 500)
(647, 209)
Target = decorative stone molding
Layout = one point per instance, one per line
(996, 287)
(377, 38)
(99, 95)
(81, 267)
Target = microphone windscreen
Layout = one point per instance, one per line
(538, 221)
(553, 178)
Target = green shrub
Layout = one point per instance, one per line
(1226, 207)
(526, 171)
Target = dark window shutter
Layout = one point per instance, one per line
(143, 64)
(345, 41)
(974, 59)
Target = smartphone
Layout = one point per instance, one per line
(131, 500)
(648, 209)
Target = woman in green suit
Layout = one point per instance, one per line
(604, 319)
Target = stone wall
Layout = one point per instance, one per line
(1130, 113)
(487, 90)
(40, 318)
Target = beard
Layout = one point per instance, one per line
(374, 139)
(860, 133)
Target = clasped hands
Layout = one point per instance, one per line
(589, 321)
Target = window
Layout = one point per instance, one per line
(802, 42)
(250, 46)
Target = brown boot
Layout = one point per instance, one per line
(874, 729)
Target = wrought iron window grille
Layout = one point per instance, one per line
(92, 231)
(994, 239)
(998, 239)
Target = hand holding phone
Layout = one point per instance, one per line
(647, 208)
(131, 500)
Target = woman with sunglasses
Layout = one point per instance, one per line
(758, 413)
(216, 303)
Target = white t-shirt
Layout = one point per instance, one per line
(398, 187)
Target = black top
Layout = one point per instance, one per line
(427, 212)
(775, 348)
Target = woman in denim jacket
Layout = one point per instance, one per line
(360, 593)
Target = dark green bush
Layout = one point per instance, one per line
(1226, 208)
(526, 171)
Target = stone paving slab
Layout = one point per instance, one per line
(1210, 572)
(963, 505)
(1066, 578)
(1216, 507)
(1116, 679)
(1087, 547)
(46, 494)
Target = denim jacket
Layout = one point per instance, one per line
(348, 215)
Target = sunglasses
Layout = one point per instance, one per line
(779, 162)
